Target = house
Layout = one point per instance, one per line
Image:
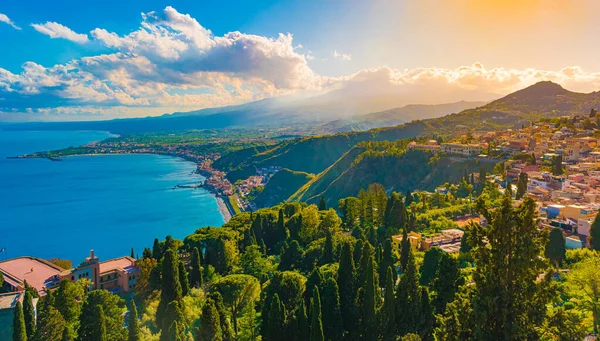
(40, 274)
(461, 149)
(573, 242)
(8, 301)
(431, 145)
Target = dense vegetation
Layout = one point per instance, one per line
(281, 186)
(301, 272)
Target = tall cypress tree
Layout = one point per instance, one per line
(327, 256)
(346, 277)
(322, 204)
(183, 280)
(314, 279)
(19, 329)
(556, 247)
(408, 300)
(196, 271)
(387, 261)
(369, 303)
(388, 311)
(430, 265)
(133, 325)
(210, 327)
(98, 326)
(332, 317)
(358, 246)
(132, 253)
(170, 287)
(156, 250)
(365, 260)
(302, 324)
(427, 317)
(281, 231)
(408, 198)
(446, 282)
(594, 238)
(316, 322)
(405, 249)
(176, 321)
(28, 312)
(226, 328)
(276, 320)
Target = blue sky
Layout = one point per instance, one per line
(87, 60)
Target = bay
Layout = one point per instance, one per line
(107, 203)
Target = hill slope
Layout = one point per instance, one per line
(281, 186)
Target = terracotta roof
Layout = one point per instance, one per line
(37, 272)
(125, 263)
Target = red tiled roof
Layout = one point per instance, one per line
(37, 272)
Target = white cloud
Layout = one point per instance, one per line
(341, 56)
(56, 30)
(5, 19)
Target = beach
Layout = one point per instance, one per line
(223, 208)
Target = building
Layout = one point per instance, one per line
(461, 149)
(431, 145)
(116, 275)
(7, 305)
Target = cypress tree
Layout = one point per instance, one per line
(358, 246)
(210, 328)
(98, 326)
(408, 300)
(19, 329)
(388, 311)
(183, 279)
(594, 238)
(365, 260)
(408, 199)
(332, 316)
(196, 271)
(427, 317)
(346, 277)
(302, 325)
(281, 231)
(226, 329)
(327, 256)
(387, 261)
(314, 279)
(521, 185)
(430, 265)
(446, 282)
(322, 204)
(51, 326)
(369, 303)
(556, 248)
(28, 312)
(170, 287)
(132, 253)
(405, 250)
(133, 325)
(316, 322)
(175, 333)
(176, 321)
(147, 253)
(156, 250)
(276, 320)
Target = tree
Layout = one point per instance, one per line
(132, 254)
(388, 311)
(66, 300)
(50, 325)
(521, 185)
(248, 325)
(196, 269)
(583, 282)
(210, 328)
(28, 312)
(302, 324)
(594, 238)
(19, 329)
(408, 298)
(226, 329)
(332, 316)
(281, 230)
(427, 317)
(509, 263)
(112, 316)
(408, 198)
(156, 250)
(170, 287)
(291, 256)
(176, 321)
(276, 320)
(322, 204)
(238, 292)
(316, 322)
(253, 263)
(405, 250)
(557, 165)
(430, 265)
(556, 248)
(95, 331)
(369, 303)
(133, 323)
(183, 279)
(387, 261)
(345, 280)
(446, 282)
(327, 256)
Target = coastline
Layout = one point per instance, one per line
(223, 207)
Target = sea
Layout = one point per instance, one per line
(109, 203)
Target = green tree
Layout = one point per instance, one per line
(405, 250)
(19, 329)
(430, 265)
(332, 315)
(183, 279)
(226, 329)
(387, 261)
(291, 256)
(176, 321)
(170, 287)
(302, 324)
(253, 263)
(327, 256)
(522, 185)
(157, 250)
(583, 282)
(196, 269)
(345, 279)
(95, 331)
(369, 303)
(508, 256)
(238, 292)
(316, 322)
(388, 311)
(210, 327)
(50, 325)
(427, 317)
(66, 300)
(175, 333)
(133, 325)
(594, 238)
(446, 282)
(276, 320)
(29, 313)
(112, 316)
(557, 165)
(322, 204)
(556, 247)
(281, 230)
(408, 298)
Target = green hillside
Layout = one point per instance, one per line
(281, 186)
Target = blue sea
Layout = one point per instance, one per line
(111, 203)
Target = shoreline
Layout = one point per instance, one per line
(223, 207)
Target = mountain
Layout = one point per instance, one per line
(397, 116)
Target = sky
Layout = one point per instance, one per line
(68, 60)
